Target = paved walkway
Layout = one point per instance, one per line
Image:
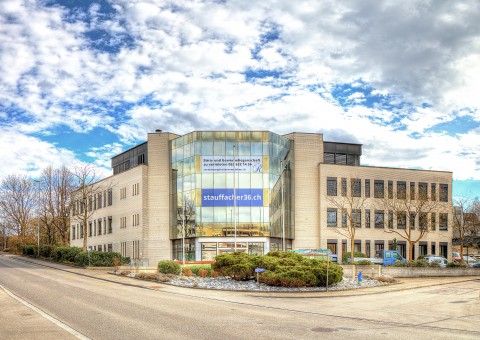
(13, 313)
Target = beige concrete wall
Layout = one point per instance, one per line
(308, 153)
(157, 232)
(127, 207)
(379, 173)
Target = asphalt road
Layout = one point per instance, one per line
(99, 309)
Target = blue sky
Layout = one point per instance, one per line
(84, 80)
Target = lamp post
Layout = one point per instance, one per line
(37, 181)
(183, 219)
(283, 209)
(234, 203)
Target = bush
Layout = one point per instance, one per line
(99, 259)
(187, 271)
(348, 255)
(239, 266)
(147, 276)
(169, 267)
(418, 263)
(401, 264)
(47, 251)
(363, 263)
(29, 250)
(456, 265)
(197, 268)
(203, 273)
(66, 254)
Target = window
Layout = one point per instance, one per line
(331, 217)
(379, 189)
(109, 224)
(73, 233)
(123, 249)
(110, 196)
(123, 222)
(109, 248)
(95, 228)
(135, 219)
(423, 191)
(390, 219)
(100, 248)
(344, 187)
(367, 188)
(434, 248)
(99, 226)
(81, 230)
(379, 219)
(89, 228)
(357, 217)
(90, 203)
(433, 220)
(423, 220)
(344, 218)
(104, 198)
(332, 186)
(136, 250)
(412, 191)
(367, 218)
(141, 159)
(99, 200)
(433, 191)
(444, 249)
(357, 246)
(123, 193)
(412, 220)
(401, 219)
(390, 189)
(367, 248)
(443, 221)
(356, 187)
(135, 189)
(443, 192)
(401, 190)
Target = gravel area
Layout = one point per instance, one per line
(226, 283)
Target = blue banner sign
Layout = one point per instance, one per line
(225, 198)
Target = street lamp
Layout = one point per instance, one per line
(283, 208)
(234, 203)
(38, 224)
(183, 219)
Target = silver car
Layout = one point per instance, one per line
(441, 260)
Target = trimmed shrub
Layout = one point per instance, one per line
(66, 254)
(197, 268)
(400, 264)
(456, 265)
(29, 250)
(187, 271)
(47, 251)
(363, 263)
(348, 255)
(169, 267)
(239, 266)
(418, 263)
(98, 259)
(203, 273)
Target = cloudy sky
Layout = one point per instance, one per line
(84, 80)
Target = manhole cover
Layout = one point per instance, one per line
(324, 330)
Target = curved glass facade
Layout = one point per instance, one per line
(224, 184)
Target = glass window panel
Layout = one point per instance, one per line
(256, 214)
(229, 179)
(207, 214)
(198, 148)
(244, 148)
(219, 180)
(229, 148)
(188, 183)
(266, 150)
(256, 180)
(257, 149)
(219, 148)
(244, 214)
(244, 180)
(207, 148)
(220, 214)
(174, 155)
(266, 214)
(207, 180)
(186, 150)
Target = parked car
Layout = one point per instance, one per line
(441, 260)
(475, 265)
(456, 257)
(468, 259)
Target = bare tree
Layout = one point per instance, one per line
(351, 205)
(56, 189)
(17, 202)
(187, 215)
(408, 207)
(88, 192)
(466, 222)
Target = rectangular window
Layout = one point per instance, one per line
(434, 248)
(73, 233)
(367, 188)
(379, 189)
(136, 250)
(443, 221)
(123, 193)
(99, 226)
(89, 228)
(367, 218)
(344, 187)
(135, 219)
(433, 191)
(332, 186)
(344, 218)
(123, 249)
(411, 220)
(390, 219)
(81, 231)
(379, 219)
(357, 217)
(95, 202)
(110, 197)
(100, 248)
(401, 190)
(390, 189)
(423, 220)
(423, 191)
(367, 248)
(104, 198)
(109, 248)
(443, 192)
(123, 222)
(90, 203)
(95, 228)
(99, 200)
(110, 224)
(433, 220)
(412, 191)
(331, 217)
(356, 188)
(135, 189)
(357, 246)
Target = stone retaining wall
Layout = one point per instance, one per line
(374, 271)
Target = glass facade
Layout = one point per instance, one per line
(229, 184)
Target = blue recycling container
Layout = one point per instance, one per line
(359, 276)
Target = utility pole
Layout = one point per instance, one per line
(234, 203)
(38, 225)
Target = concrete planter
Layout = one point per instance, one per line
(373, 271)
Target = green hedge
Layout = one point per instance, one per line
(169, 267)
(195, 268)
(29, 250)
(99, 259)
(348, 255)
(66, 254)
(286, 269)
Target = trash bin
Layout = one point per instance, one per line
(359, 276)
